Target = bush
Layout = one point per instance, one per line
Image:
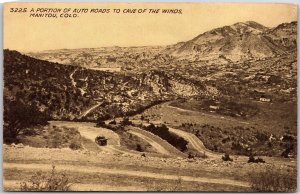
(139, 148)
(164, 133)
(113, 122)
(75, 146)
(273, 179)
(226, 157)
(100, 124)
(255, 160)
(19, 116)
(286, 152)
(191, 155)
(47, 182)
(101, 140)
(126, 121)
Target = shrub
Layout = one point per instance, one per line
(47, 182)
(191, 155)
(101, 140)
(261, 136)
(113, 122)
(100, 123)
(126, 121)
(75, 145)
(19, 116)
(163, 132)
(255, 160)
(272, 179)
(226, 157)
(139, 148)
(285, 153)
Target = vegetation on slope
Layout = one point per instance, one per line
(66, 92)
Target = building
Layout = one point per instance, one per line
(214, 107)
(263, 99)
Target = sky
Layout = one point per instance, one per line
(25, 34)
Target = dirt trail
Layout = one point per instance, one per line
(90, 109)
(90, 132)
(206, 114)
(74, 84)
(152, 142)
(172, 151)
(195, 143)
(99, 170)
(72, 79)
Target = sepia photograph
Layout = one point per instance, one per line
(150, 97)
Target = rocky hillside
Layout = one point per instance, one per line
(70, 92)
(285, 34)
(113, 59)
(239, 42)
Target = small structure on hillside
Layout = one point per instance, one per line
(213, 107)
(264, 99)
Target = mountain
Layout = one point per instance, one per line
(232, 61)
(239, 42)
(285, 34)
(70, 92)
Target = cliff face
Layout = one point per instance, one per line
(164, 84)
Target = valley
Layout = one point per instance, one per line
(214, 113)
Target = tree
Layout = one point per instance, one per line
(139, 148)
(126, 121)
(113, 122)
(19, 116)
(100, 122)
(226, 157)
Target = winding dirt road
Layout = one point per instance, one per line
(144, 174)
(90, 132)
(195, 143)
(226, 118)
(153, 143)
(161, 145)
(90, 109)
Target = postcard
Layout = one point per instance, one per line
(198, 97)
